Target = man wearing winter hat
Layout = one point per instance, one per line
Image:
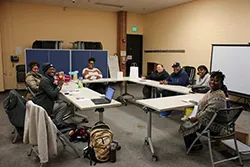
(47, 96)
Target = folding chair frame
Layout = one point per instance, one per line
(206, 133)
(64, 140)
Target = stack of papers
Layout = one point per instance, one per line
(194, 112)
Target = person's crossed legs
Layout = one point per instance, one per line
(59, 111)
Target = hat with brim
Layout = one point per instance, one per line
(176, 64)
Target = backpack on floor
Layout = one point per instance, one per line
(98, 149)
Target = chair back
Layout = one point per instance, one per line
(15, 108)
(191, 73)
(30, 90)
(20, 73)
(229, 115)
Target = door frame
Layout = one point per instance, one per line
(141, 50)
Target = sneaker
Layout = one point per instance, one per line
(184, 118)
(165, 114)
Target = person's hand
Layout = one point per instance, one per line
(90, 78)
(164, 82)
(193, 119)
(60, 83)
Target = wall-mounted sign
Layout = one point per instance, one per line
(19, 51)
(123, 53)
(134, 28)
(129, 57)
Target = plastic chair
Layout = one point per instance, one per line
(20, 73)
(191, 73)
(226, 117)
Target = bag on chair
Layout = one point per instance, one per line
(98, 149)
(200, 89)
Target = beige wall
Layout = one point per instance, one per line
(194, 27)
(134, 19)
(22, 23)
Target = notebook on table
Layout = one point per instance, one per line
(107, 98)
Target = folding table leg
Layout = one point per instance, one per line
(148, 139)
(75, 113)
(126, 91)
(100, 110)
(120, 98)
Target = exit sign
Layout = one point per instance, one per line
(134, 28)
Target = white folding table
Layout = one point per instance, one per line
(81, 98)
(164, 104)
(153, 84)
(156, 84)
(112, 80)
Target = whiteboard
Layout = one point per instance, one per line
(234, 62)
(113, 63)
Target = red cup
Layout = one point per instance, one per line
(67, 78)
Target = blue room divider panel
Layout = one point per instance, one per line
(79, 59)
(39, 56)
(67, 60)
(60, 59)
(101, 61)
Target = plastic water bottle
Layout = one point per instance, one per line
(80, 82)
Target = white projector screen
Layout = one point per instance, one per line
(234, 62)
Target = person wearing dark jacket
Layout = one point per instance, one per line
(178, 77)
(158, 75)
(47, 96)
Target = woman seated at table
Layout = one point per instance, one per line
(202, 85)
(159, 74)
(93, 73)
(33, 77)
(213, 100)
(204, 76)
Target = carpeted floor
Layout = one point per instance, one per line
(128, 124)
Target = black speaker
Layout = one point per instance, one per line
(87, 45)
(38, 44)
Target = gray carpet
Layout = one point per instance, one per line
(128, 124)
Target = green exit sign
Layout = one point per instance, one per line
(134, 28)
